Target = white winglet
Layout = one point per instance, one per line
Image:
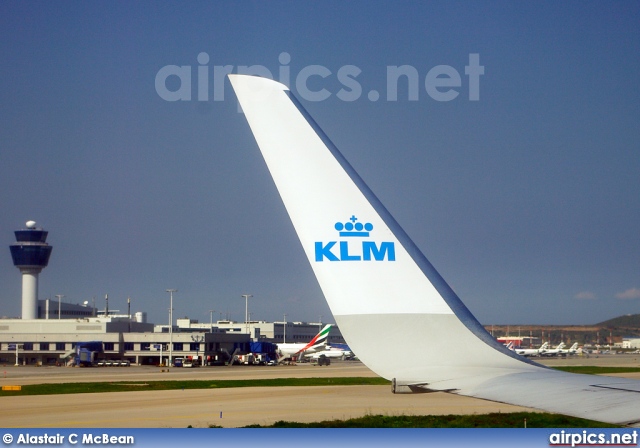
(375, 279)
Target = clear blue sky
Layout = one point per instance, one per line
(526, 200)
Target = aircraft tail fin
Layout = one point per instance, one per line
(318, 340)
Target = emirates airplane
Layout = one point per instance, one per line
(373, 276)
(294, 349)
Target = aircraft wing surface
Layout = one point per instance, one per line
(375, 279)
(601, 398)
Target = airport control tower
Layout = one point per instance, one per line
(30, 254)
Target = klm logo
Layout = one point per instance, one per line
(354, 249)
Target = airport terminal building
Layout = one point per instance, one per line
(53, 341)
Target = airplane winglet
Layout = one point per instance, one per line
(373, 276)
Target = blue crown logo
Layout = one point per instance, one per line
(353, 228)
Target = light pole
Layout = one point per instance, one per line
(59, 296)
(211, 320)
(171, 291)
(246, 310)
(284, 335)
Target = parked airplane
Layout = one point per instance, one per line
(533, 351)
(373, 276)
(294, 349)
(331, 352)
(554, 351)
(570, 351)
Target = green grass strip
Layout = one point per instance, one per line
(128, 386)
(592, 370)
(493, 420)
